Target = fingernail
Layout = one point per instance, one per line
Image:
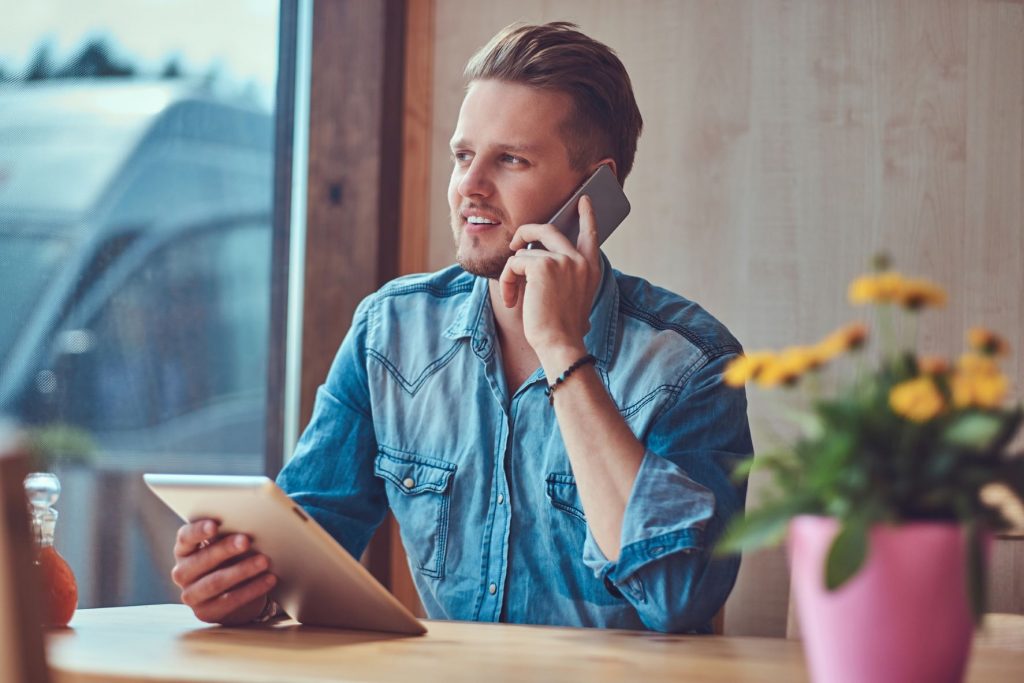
(208, 528)
(270, 579)
(261, 562)
(239, 542)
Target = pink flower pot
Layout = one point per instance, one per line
(903, 618)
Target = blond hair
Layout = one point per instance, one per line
(605, 121)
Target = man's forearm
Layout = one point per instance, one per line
(604, 453)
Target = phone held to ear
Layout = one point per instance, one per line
(610, 207)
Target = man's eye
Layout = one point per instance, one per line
(460, 157)
(513, 160)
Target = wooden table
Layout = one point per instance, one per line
(166, 643)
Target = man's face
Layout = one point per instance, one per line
(511, 167)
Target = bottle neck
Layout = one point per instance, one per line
(44, 521)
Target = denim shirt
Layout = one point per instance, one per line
(415, 416)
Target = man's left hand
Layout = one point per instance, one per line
(557, 284)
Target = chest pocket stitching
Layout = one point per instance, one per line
(412, 387)
(431, 478)
(561, 490)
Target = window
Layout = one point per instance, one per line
(136, 204)
(175, 358)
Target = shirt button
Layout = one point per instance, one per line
(408, 483)
(492, 589)
(501, 498)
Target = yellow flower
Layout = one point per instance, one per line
(863, 290)
(890, 284)
(979, 391)
(987, 342)
(918, 399)
(851, 336)
(788, 366)
(932, 365)
(978, 383)
(916, 294)
(880, 288)
(976, 364)
(745, 368)
(891, 287)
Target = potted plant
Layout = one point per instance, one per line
(890, 490)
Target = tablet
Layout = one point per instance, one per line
(319, 582)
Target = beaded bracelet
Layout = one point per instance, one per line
(549, 391)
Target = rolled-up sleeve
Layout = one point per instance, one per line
(681, 500)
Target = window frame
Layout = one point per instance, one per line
(369, 133)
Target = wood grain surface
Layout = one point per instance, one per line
(166, 643)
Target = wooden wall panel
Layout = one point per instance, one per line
(785, 142)
(346, 165)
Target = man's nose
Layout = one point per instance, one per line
(475, 181)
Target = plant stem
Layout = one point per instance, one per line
(911, 343)
(885, 322)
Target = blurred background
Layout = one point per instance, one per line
(136, 157)
(147, 161)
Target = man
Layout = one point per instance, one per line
(594, 502)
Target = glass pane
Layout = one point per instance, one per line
(136, 179)
(27, 264)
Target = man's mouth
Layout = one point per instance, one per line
(475, 222)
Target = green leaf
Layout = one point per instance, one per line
(741, 471)
(973, 430)
(756, 529)
(811, 424)
(847, 554)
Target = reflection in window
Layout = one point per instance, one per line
(136, 171)
(186, 333)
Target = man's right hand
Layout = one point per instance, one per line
(219, 578)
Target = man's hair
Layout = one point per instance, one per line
(605, 121)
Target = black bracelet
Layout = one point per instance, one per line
(549, 390)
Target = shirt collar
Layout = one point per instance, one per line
(476, 320)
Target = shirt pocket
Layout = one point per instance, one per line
(419, 493)
(561, 490)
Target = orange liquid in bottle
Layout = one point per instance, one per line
(56, 580)
(59, 588)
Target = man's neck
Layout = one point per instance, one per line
(517, 356)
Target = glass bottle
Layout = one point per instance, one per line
(57, 581)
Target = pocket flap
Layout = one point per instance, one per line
(413, 474)
(561, 489)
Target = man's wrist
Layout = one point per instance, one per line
(556, 358)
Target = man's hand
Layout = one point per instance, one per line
(557, 286)
(220, 579)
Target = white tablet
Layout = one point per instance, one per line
(319, 582)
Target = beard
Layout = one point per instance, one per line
(489, 266)
(480, 262)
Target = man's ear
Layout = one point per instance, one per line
(607, 161)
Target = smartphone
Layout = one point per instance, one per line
(610, 207)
